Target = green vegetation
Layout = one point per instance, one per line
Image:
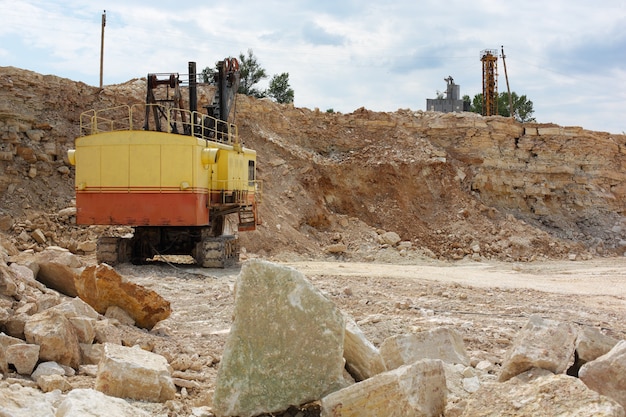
(522, 107)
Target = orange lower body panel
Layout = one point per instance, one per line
(142, 209)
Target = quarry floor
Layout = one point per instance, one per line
(486, 302)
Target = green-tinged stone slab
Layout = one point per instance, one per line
(285, 346)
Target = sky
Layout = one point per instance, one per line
(567, 56)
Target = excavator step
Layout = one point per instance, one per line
(247, 220)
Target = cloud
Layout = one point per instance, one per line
(566, 56)
(317, 35)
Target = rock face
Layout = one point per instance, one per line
(285, 347)
(607, 374)
(566, 180)
(417, 390)
(102, 287)
(545, 344)
(134, 373)
(441, 343)
(544, 396)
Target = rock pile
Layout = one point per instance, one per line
(289, 347)
(269, 366)
(48, 335)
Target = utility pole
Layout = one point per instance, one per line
(507, 84)
(104, 23)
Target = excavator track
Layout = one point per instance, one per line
(217, 252)
(113, 250)
(209, 252)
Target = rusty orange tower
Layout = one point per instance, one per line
(489, 58)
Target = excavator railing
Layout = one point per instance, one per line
(166, 119)
(238, 191)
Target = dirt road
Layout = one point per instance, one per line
(594, 277)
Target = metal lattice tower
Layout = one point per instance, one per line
(489, 58)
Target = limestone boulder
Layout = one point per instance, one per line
(390, 238)
(85, 328)
(544, 395)
(363, 359)
(134, 373)
(81, 316)
(107, 332)
(607, 374)
(92, 353)
(92, 403)
(461, 381)
(591, 344)
(285, 347)
(26, 275)
(417, 390)
(58, 269)
(14, 324)
(440, 343)
(23, 357)
(53, 382)
(7, 340)
(47, 368)
(19, 401)
(542, 343)
(8, 286)
(56, 336)
(102, 287)
(76, 307)
(114, 312)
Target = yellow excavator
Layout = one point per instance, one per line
(171, 172)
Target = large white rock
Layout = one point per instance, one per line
(81, 316)
(545, 344)
(19, 401)
(49, 383)
(363, 359)
(58, 269)
(47, 368)
(76, 307)
(440, 343)
(546, 395)
(591, 344)
(134, 373)
(88, 402)
(55, 335)
(285, 346)
(85, 328)
(416, 390)
(607, 374)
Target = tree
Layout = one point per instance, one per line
(250, 73)
(208, 74)
(279, 88)
(522, 107)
